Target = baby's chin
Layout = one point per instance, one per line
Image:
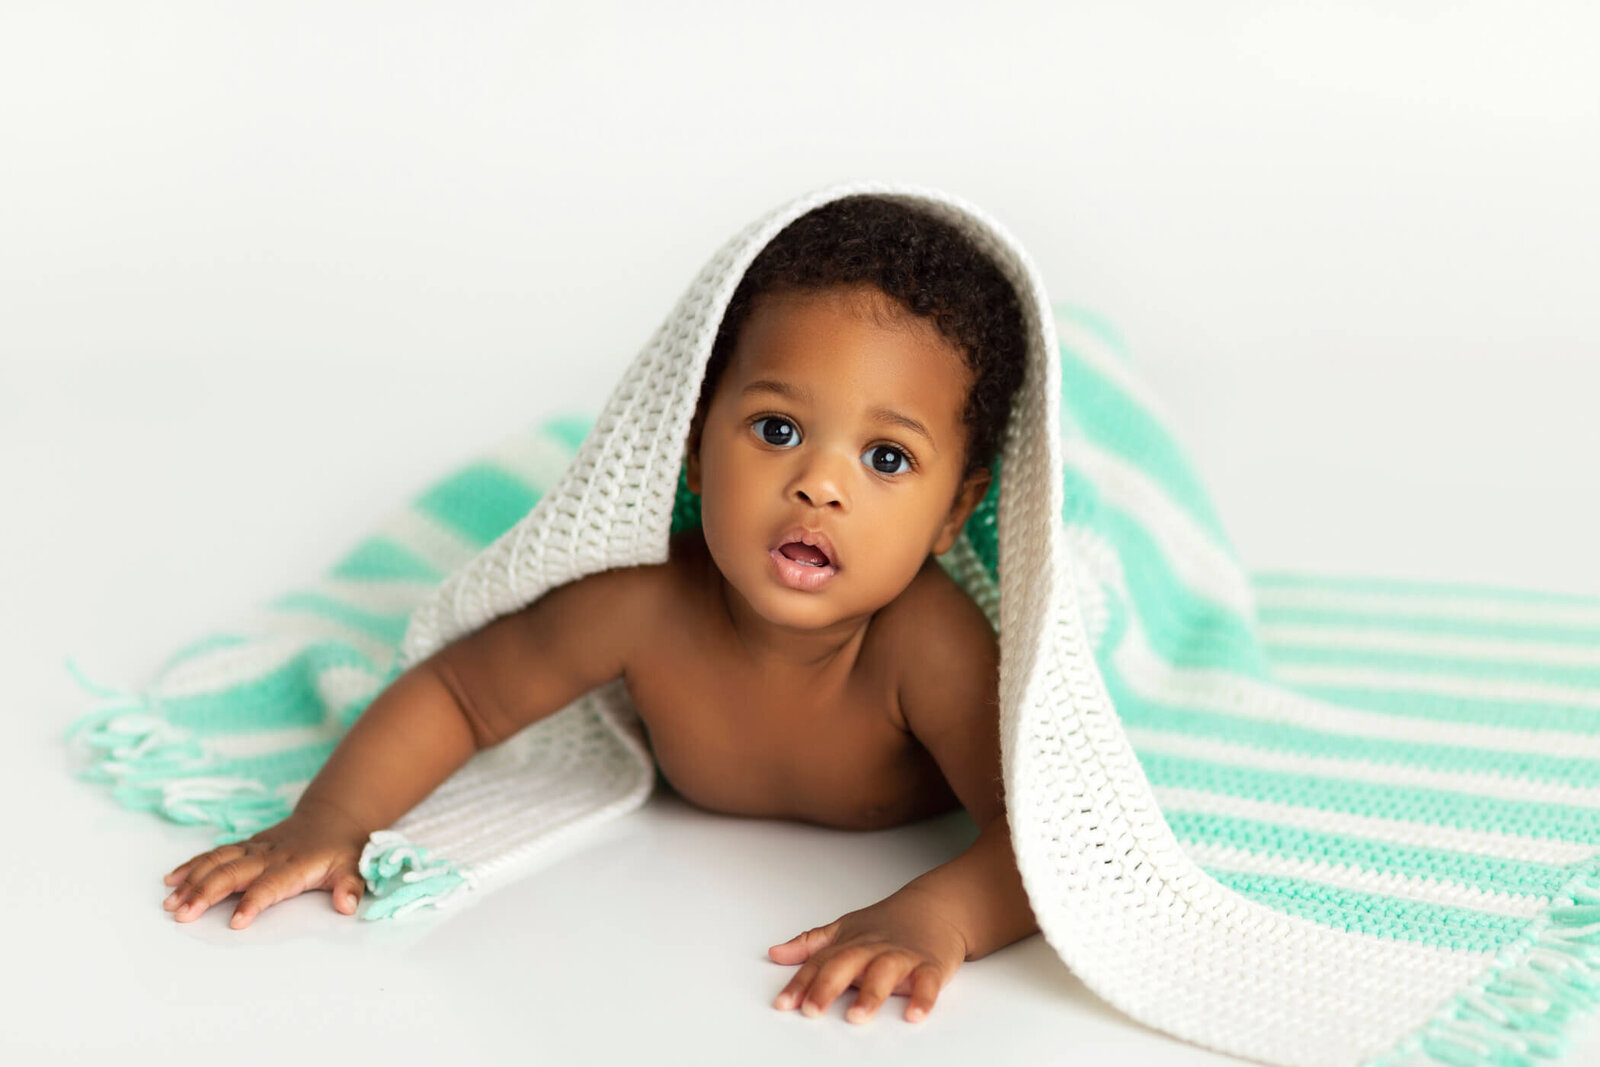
(798, 610)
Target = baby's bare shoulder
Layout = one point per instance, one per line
(525, 665)
(947, 678)
(934, 636)
(934, 604)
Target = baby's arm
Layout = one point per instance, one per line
(913, 941)
(471, 695)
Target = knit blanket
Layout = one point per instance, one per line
(1301, 819)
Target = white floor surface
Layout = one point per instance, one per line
(265, 274)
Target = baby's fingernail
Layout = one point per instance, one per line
(810, 1010)
(916, 1015)
(784, 1001)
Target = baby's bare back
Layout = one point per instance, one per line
(761, 740)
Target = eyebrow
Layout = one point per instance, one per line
(883, 415)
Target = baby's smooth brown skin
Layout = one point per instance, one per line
(828, 745)
(866, 703)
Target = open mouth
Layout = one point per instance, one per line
(804, 560)
(800, 552)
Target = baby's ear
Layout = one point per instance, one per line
(967, 500)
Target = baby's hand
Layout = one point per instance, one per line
(902, 945)
(311, 849)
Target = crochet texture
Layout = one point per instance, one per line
(1301, 819)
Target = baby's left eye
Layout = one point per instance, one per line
(885, 459)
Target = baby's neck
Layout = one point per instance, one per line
(771, 647)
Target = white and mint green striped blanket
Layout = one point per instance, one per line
(1411, 760)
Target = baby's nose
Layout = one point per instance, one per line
(819, 484)
(821, 500)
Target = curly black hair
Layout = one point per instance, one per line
(923, 263)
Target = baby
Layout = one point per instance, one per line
(800, 655)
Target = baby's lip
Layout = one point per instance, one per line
(815, 538)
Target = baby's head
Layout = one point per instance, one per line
(858, 388)
(927, 267)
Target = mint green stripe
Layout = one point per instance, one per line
(1310, 582)
(1291, 739)
(388, 627)
(283, 697)
(569, 429)
(208, 643)
(1485, 711)
(1347, 910)
(270, 769)
(1096, 324)
(1415, 803)
(273, 769)
(1580, 636)
(379, 558)
(1122, 426)
(1289, 842)
(1183, 629)
(1479, 667)
(481, 501)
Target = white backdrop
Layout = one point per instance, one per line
(265, 270)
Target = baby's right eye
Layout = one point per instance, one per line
(782, 434)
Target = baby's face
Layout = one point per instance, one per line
(810, 430)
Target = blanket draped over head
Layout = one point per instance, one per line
(1296, 818)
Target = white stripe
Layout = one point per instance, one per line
(381, 596)
(219, 668)
(1462, 606)
(1204, 568)
(1224, 692)
(273, 641)
(1222, 752)
(337, 686)
(306, 626)
(1364, 880)
(1439, 684)
(241, 746)
(1390, 639)
(535, 459)
(441, 547)
(1391, 831)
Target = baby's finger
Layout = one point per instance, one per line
(876, 984)
(347, 890)
(205, 863)
(193, 872)
(225, 879)
(835, 978)
(790, 995)
(264, 892)
(924, 991)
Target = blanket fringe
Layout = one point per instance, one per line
(397, 891)
(1520, 1009)
(154, 765)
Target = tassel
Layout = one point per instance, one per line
(396, 891)
(1521, 1010)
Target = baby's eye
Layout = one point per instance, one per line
(884, 459)
(780, 432)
